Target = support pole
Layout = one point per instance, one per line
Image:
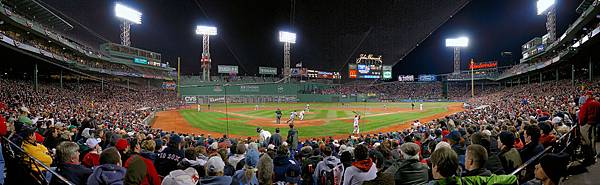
(61, 78)
(35, 77)
(178, 77)
(572, 74)
(591, 72)
(556, 73)
(541, 77)
(472, 77)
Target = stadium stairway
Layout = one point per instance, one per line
(589, 175)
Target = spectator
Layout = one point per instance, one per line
(445, 165)
(148, 147)
(276, 138)
(68, 165)
(550, 169)
(382, 178)
(191, 160)
(589, 113)
(493, 162)
(38, 151)
(110, 171)
(509, 156)
(229, 169)
(475, 159)
(141, 171)
(409, 170)
(179, 177)
(214, 171)
(292, 139)
(263, 136)
(532, 147)
(265, 167)
(24, 116)
(240, 151)
(283, 167)
(169, 158)
(547, 138)
(92, 158)
(123, 147)
(362, 170)
(329, 169)
(247, 175)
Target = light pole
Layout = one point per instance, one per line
(206, 32)
(129, 16)
(547, 6)
(457, 43)
(287, 38)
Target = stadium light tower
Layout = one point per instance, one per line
(457, 43)
(547, 6)
(129, 16)
(287, 38)
(206, 32)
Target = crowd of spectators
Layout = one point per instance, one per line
(96, 137)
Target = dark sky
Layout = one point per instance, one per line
(493, 26)
(328, 31)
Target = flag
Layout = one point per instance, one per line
(299, 64)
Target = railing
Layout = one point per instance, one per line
(20, 161)
(561, 142)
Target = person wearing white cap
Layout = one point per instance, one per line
(215, 169)
(188, 176)
(92, 158)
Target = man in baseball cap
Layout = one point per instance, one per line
(215, 170)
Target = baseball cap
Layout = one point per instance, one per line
(175, 139)
(122, 144)
(215, 164)
(24, 109)
(92, 142)
(181, 177)
(454, 136)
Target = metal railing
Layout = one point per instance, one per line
(561, 142)
(17, 155)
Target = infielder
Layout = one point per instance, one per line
(292, 117)
(421, 106)
(307, 107)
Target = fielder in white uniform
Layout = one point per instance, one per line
(292, 117)
(421, 106)
(307, 107)
(356, 128)
(301, 116)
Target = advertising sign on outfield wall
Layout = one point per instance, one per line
(190, 99)
(226, 69)
(267, 70)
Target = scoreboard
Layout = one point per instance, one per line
(365, 71)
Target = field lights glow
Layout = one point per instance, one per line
(543, 5)
(206, 30)
(128, 14)
(457, 42)
(288, 37)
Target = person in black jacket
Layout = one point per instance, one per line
(276, 138)
(532, 147)
(168, 159)
(409, 170)
(69, 166)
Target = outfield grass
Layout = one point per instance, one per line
(213, 121)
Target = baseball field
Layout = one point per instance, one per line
(322, 119)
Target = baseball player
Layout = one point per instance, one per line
(278, 115)
(356, 128)
(421, 106)
(292, 117)
(301, 115)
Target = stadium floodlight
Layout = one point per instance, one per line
(543, 5)
(287, 37)
(206, 30)
(128, 14)
(457, 42)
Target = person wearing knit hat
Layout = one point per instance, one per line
(140, 171)
(247, 175)
(168, 158)
(215, 169)
(551, 168)
(509, 156)
(188, 176)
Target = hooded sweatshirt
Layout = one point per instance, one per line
(109, 174)
(215, 180)
(327, 164)
(359, 172)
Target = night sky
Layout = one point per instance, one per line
(329, 32)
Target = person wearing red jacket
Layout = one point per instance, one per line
(588, 118)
